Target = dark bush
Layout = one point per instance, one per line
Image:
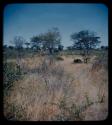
(10, 74)
(77, 61)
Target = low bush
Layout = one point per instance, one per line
(77, 61)
(10, 74)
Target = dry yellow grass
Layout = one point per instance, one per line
(31, 99)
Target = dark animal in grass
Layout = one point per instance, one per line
(77, 61)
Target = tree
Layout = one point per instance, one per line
(85, 40)
(70, 48)
(18, 42)
(47, 41)
(51, 39)
(36, 42)
(4, 46)
(11, 47)
(27, 45)
(104, 47)
(60, 47)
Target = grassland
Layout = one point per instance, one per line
(57, 91)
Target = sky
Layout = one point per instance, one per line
(28, 20)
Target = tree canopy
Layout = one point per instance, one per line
(85, 40)
(48, 40)
(18, 41)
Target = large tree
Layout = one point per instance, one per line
(52, 39)
(18, 42)
(60, 47)
(47, 41)
(27, 45)
(36, 42)
(85, 40)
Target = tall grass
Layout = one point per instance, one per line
(53, 82)
(48, 92)
(101, 61)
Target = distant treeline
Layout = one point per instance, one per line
(67, 48)
(50, 43)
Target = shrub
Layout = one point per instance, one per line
(11, 73)
(77, 61)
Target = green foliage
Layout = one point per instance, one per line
(85, 40)
(10, 54)
(11, 73)
(16, 112)
(47, 41)
(37, 41)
